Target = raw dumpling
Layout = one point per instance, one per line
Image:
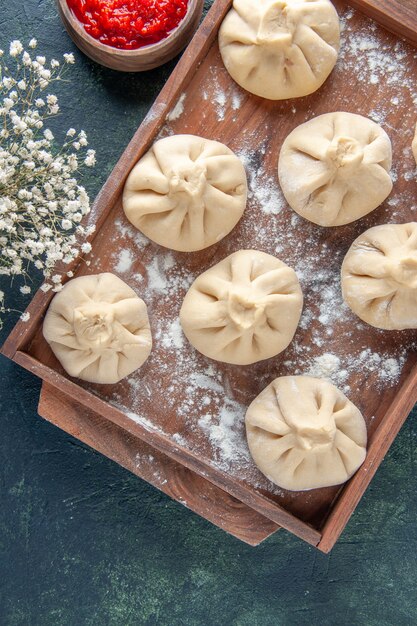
(280, 49)
(244, 309)
(98, 328)
(334, 169)
(303, 433)
(379, 276)
(186, 193)
(415, 145)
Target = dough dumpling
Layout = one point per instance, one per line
(280, 49)
(186, 193)
(379, 276)
(303, 433)
(334, 169)
(98, 328)
(244, 309)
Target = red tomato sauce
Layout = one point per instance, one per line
(129, 24)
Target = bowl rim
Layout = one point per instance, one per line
(144, 51)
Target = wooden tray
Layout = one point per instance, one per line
(178, 482)
(398, 16)
(189, 408)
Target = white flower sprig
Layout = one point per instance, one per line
(41, 201)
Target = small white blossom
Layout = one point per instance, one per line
(16, 48)
(90, 159)
(45, 74)
(73, 162)
(82, 138)
(33, 43)
(56, 166)
(66, 224)
(41, 203)
(45, 157)
(25, 317)
(69, 58)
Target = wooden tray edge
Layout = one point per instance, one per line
(389, 16)
(383, 439)
(392, 15)
(140, 142)
(164, 444)
(173, 479)
(150, 126)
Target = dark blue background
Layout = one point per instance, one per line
(83, 542)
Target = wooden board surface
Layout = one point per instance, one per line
(398, 16)
(141, 459)
(197, 418)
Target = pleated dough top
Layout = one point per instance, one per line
(244, 309)
(280, 49)
(304, 433)
(334, 169)
(186, 193)
(98, 328)
(379, 276)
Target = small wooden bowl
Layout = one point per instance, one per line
(139, 60)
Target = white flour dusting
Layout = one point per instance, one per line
(223, 101)
(156, 275)
(338, 370)
(173, 337)
(224, 431)
(237, 99)
(124, 262)
(220, 100)
(263, 190)
(207, 405)
(178, 109)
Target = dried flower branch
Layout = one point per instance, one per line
(41, 201)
